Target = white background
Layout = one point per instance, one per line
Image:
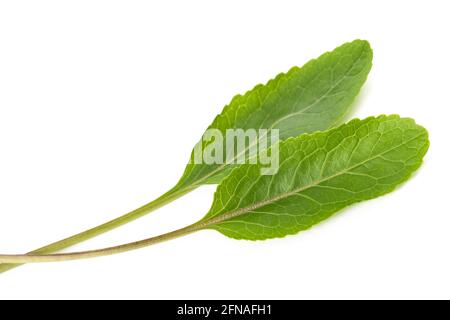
(102, 101)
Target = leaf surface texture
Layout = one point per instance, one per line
(319, 174)
(314, 97)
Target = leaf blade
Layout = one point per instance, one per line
(319, 175)
(314, 97)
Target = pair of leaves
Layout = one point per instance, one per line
(303, 100)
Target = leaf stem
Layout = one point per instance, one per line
(166, 198)
(34, 258)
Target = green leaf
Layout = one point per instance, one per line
(314, 97)
(319, 174)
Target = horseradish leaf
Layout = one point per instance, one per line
(319, 174)
(314, 97)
